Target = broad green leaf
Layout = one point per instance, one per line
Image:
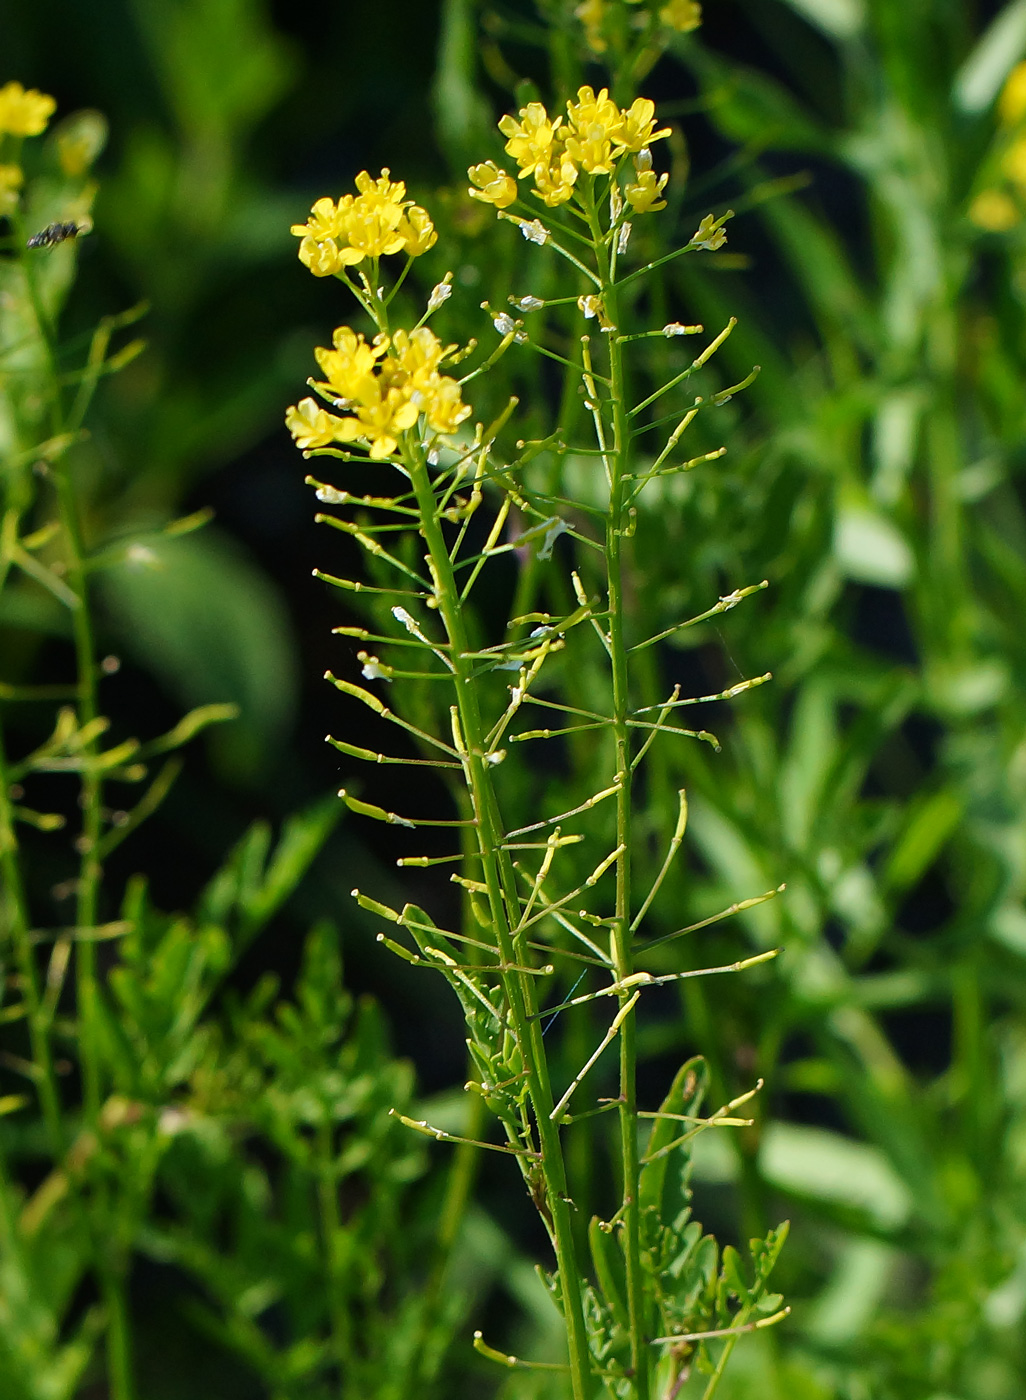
(869, 548)
(211, 627)
(826, 1166)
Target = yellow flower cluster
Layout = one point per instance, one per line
(387, 383)
(24, 113)
(377, 221)
(679, 15)
(998, 207)
(595, 138)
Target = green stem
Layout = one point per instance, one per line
(17, 903)
(619, 464)
(331, 1229)
(118, 1335)
(91, 797)
(503, 898)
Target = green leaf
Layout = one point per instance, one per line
(871, 549)
(607, 1257)
(983, 73)
(211, 627)
(839, 19)
(931, 821)
(685, 1096)
(827, 1167)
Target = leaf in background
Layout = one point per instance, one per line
(1002, 44)
(211, 628)
(840, 19)
(462, 116)
(871, 549)
(817, 1163)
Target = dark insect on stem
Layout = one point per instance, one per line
(52, 234)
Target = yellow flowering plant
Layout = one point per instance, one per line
(556, 897)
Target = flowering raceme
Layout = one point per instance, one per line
(594, 139)
(378, 221)
(387, 385)
(24, 112)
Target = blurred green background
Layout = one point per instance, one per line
(875, 477)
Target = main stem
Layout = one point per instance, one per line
(111, 1270)
(616, 524)
(503, 897)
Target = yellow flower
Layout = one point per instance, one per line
(417, 230)
(592, 13)
(325, 219)
(494, 186)
(682, 15)
(323, 259)
(371, 230)
(1014, 162)
(595, 123)
(637, 129)
(555, 183)
(643, 196)
(708, 236)
(381, 192)
(443, 405)
(24, 113)
(1012, 102)
(311, 426)
(80, 139)
(11, 179)
(380, 423)
(994, 211)
(378, 221)
(530, 139)
(349, 368)
(417, 357)
(419, 353)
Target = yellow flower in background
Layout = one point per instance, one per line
(682, 15)
(310, 425)
(1013, 162)
(494, 186)
(11, 180)
(1012, 102)
(529, 140)
(80, 139)
(24, 113)
(994, 211)
(592, 13)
